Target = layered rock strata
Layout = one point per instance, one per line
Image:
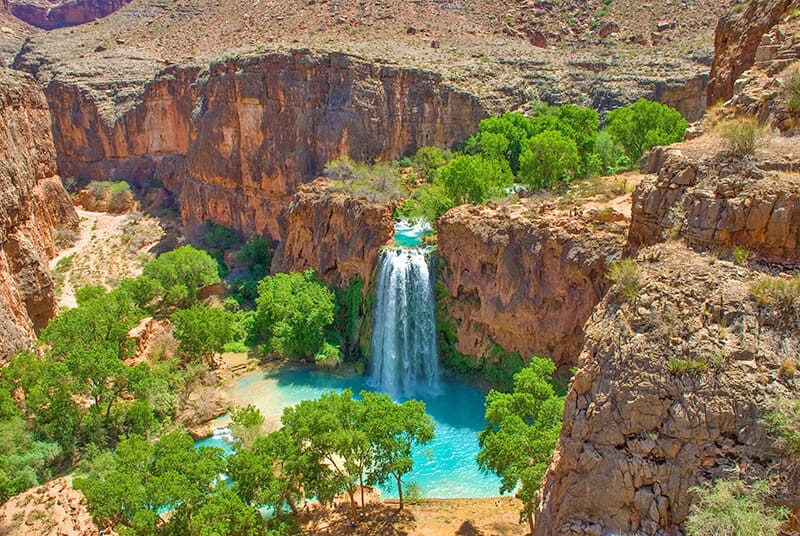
(333, 232)
(34, 210)
(50, 14)
(233, 142)
(524, 281)
(671, 392)
(719, 201)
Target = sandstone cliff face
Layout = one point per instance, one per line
(719, 201)
(53, 509)
(50, 14)
(524, 282)
(334, 233)
(637, 436)
(736, 40)
(33, 205)
(235, 141)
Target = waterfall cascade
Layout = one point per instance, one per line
(405, 357)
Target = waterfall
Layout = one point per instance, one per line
(405, 358)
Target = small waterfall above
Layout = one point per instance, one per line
(405, 357)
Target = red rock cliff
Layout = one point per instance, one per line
(33, 206)
(50, 14)
(638, 434)
(524, 282)
(334, 233)
(235, 141)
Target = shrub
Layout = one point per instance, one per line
(329, 356)
(788, 368)
(427, 161)
(429, 202)
(732, 508)
(741, 135)
(610, 153)
(783, 293)
(693, 367)
(626, 274)
(740, 255)
(791, 84)
(378, 183)
(784, 424)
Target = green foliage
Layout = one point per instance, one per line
(521, 432)
(690, 366)
(740, 255)
(784, 424)
(247, 425)
(427, 161)
(428, 202)
(219, 239)
(113, 196)
(611, 155)
(349, 311)
(292, 313)
(790, 79)
(168, 475)
(514, 127)
(643, 125)
(548, 157)
(474, 179)
(24, 462)
(202, 331)
(328, 356)
(175, 278)
(780, 293)
(626, 274)
(378, 183)
(733, 508)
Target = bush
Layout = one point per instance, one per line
(329, 356)
(429, 202)
(428, 160)
(740, 255)
(625, 273)
(693, 367)
(611, 154)
(784, 423)
(378, 183)
(783, 293)
(741, 135)
(791, 84)
(643, 125)
(732, 508)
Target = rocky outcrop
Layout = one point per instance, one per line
(234, 142)
(522, 281)
(686, 96)
(33, 207)
(53, 509)
(337, 234)
(736, 41)
(50, 14)
(717, 200)
(639, 430)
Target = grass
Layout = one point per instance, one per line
(791, 85)
(740, 255)
(742, 135)
(692, 367)
(784, 425)
(626, 274)
(779, 292)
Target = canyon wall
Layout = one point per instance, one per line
(335, 233)
(719, 202)
(233, 142)
(522, 281)
(736, 40)
(50, 14)
(34, 209)
(638, 431)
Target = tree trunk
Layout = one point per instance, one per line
(530, 519)
(353, 504)
(400, 492)
(361, 479)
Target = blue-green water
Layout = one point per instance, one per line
(445, 468)
(408, 235)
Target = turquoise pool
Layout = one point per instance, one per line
(409, 235)
(445, 468)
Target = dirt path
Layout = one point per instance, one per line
(111, 247)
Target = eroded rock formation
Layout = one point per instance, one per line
(52, 509)
(50, 14)
(33, 208)
(335, 233)
(719, 200)
(235, 141)
(736, 41)
(523, 281)
(638, 433)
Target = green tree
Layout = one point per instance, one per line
(393, 429)
(292, 312)
(521, 432)
(548, 157)
(513, 126)
(427, 161)
(643, 125)
(473, 179)
(428, 202)
(610, 153)
(247, 425)
(330, 430)
(180, 274)
(24, 462)
(202, 331)
(225, 514)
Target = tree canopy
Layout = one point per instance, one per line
(643, 125)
